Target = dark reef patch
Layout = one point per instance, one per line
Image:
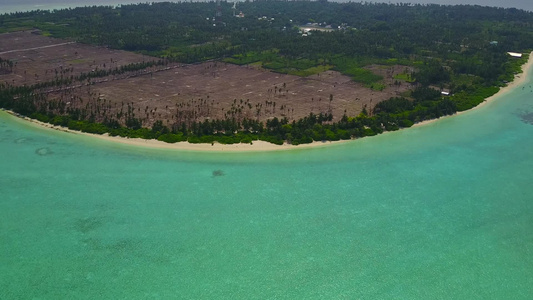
(21, 140)
(86, 225)
(218, 173)
(43, 151)
(527, 117)
(119, 246)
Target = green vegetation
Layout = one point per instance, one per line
(447, 47)
(271, 60)
(404, 77)
(250, 57)
(353, 67)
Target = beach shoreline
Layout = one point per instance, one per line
(261, 146)
(255, 146)
(518, 80)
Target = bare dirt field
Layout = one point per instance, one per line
(177, 92)
(37, 57)
(220, 87)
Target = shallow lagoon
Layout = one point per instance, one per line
(442, 211)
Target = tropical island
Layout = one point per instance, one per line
(236, 72)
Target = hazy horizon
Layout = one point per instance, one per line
(7, 5)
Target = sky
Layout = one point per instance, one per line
(522, 4)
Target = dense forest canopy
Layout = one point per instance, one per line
(462, 49)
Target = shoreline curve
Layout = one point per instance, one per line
(262, 146)
(517, 80)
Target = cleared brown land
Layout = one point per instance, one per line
(183, 93)
(38, 57)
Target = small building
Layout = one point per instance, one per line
(494, 43)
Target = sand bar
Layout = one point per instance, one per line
(261, 146)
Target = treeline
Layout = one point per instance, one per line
(442, 40)
(376, 30)
(388, 115)
(6, 66)
(63, 80)
(391, 115)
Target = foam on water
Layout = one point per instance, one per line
(441, 211)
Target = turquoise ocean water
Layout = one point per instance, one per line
(443, 211)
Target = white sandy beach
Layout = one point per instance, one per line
(259, 146)
(186, 146)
